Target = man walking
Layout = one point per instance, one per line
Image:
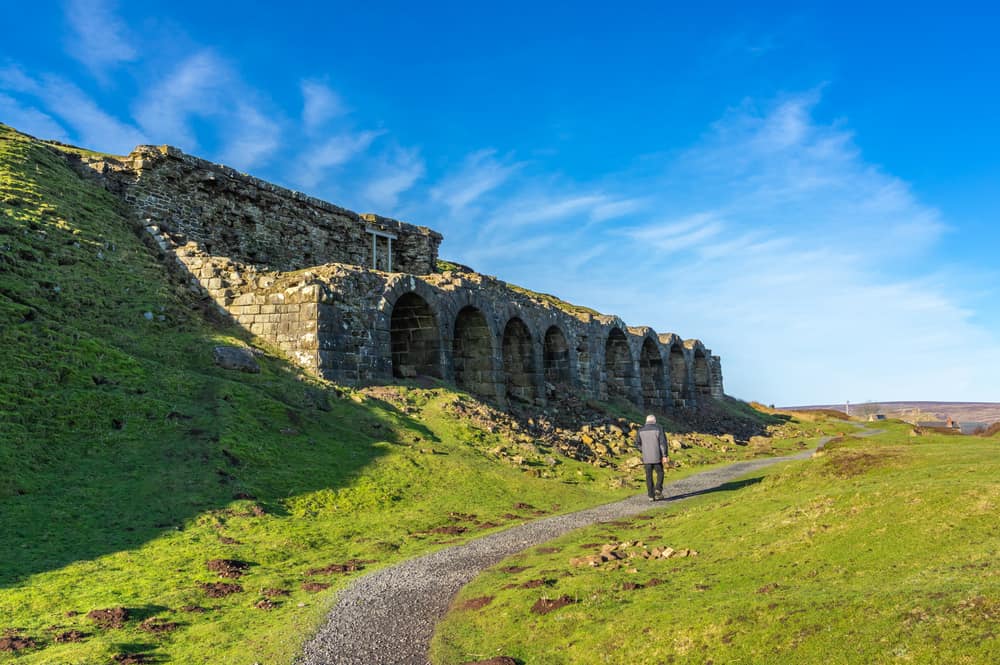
(653, 444)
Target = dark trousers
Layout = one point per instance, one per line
(649, 479)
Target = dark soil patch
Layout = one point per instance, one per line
(451, 530)
(514, 570)
(114, 617)
(194, 609)
(631, 586)
(546, 605)
(72, 613)
(274, 593)
(265, 604)
(258, 510)
(313, 587)
(523, 506)
(132, 658)
(231, 568)
(244, 496)
(336, 568)
(510, 516)
(226, 540)
(462, 517)
(158, 626)
(590, 546)
(476, 603)
(219, 589)
(16, 643)
(69, 636)
(768, 588)
(533, 584)
(495, 660)
(487, 525)
(656, 581)
(548, 550)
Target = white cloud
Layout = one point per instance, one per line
(200, 86)
(331, 153)
(250, 139)
(394, 176)
(100, 40)
(319, 105)
(30, 120)
(480, 173)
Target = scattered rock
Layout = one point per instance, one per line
(114, 617)
(265, 604)
(235, 358)
(546, 605)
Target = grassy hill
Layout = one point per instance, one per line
(878, 550)
(157, 508)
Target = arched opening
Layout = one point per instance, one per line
(702, 379)
(518, 362)
(472, 353)
(678, 373)
(415, 338)
(618, 366)
(555, 357)
(651, 371)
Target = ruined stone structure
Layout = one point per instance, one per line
(358, 298)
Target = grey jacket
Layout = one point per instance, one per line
(652, 443)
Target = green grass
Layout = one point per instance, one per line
(123, 449)
(881, 550)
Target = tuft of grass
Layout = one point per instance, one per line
(880, 549)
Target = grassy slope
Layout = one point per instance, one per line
(123, 448)
(880, 550)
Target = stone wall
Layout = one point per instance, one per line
(297, 272)
(231, 214)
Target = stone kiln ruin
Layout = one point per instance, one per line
(359, 299)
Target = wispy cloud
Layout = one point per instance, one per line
(99, 38)
(251, 139)
(91, 125)
(394, 176)
(320, 104)
(331, 153)
(481, 172)
(30, 120)
(196, 87)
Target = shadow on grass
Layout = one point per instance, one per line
(730, 486)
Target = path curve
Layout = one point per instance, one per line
(388, 616)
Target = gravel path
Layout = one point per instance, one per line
(388, 616)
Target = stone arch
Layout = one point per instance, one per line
(678, 372)
(652, 374)
(520, 371)
(472, 353)
(415, 338)
(701, 372)
(619, 369)
(556, 357)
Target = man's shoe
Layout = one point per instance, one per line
(658, 496)
(652, 498)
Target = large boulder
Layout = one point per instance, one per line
(235, 357)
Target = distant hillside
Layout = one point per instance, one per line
(963, 412)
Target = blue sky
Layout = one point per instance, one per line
(812, 191)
